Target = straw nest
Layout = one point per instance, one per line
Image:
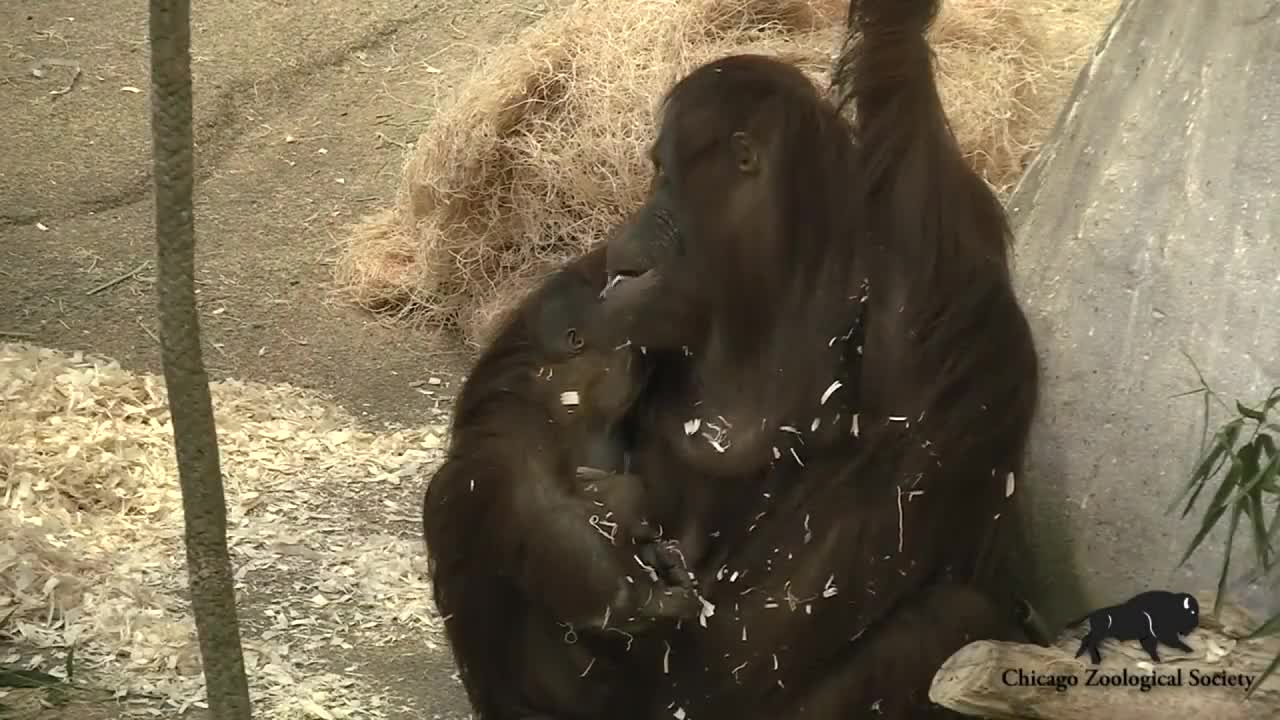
(91, 546)
(542, 146)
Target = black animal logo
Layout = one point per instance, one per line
(1151, 618)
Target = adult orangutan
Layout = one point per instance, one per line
(836, 339)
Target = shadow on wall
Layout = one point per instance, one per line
(1053, 584)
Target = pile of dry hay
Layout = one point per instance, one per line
(91, 552)
(544, 144)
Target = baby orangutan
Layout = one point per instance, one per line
(547, 580)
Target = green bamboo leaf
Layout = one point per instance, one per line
(1251, 491)
(1209, 521)
(1208, 467)
(1252, 504)
(1216, 508)
(1250, 413)
(1266, 446)
(1265, 674)
(1268, 482)
(1210, 464)
(1273, 399)
(1226, 555)
(1248, 457)
(1268, 454)
(1270, 404)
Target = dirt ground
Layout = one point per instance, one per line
(304, 110)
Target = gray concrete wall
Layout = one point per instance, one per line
(1148, 227)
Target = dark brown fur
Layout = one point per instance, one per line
(525, 556)
(763, 305)
(856, 566)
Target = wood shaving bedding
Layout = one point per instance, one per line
(91, 551)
